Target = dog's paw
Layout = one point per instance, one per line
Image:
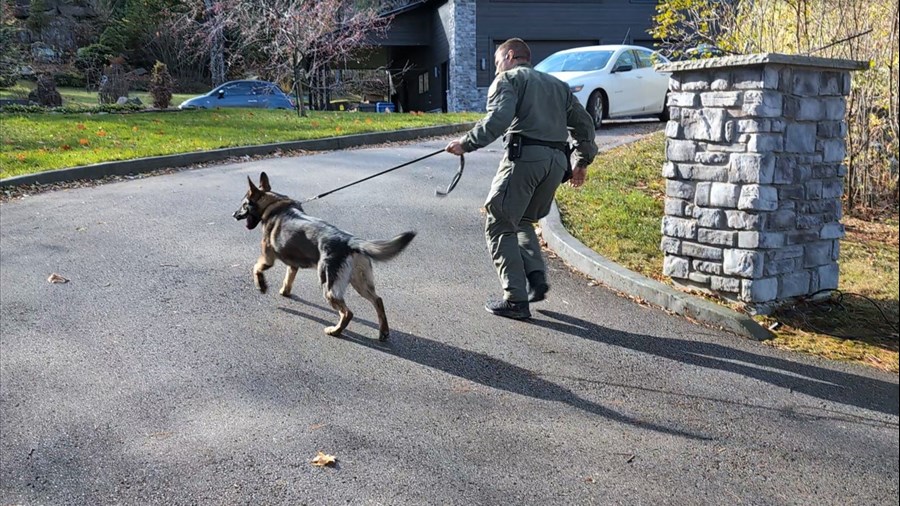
(261, 284)
(285, 292)
(383, 336)
(333, 331)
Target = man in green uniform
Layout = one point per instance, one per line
(536, 114)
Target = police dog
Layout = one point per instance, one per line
(301, 241)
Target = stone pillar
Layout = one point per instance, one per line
(460, 21)
(754, 169)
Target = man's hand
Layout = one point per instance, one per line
(455, 147)
(579, 173)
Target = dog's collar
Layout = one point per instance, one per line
(279, 206)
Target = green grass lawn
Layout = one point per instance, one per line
(617, 213)
(38, 142)
(618, 210)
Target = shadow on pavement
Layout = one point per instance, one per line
(827, 384)
(483, 369)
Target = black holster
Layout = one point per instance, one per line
(514, 146)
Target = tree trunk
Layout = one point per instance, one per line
(298, 86)
(217, 47)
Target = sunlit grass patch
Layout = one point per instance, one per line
(39, 142)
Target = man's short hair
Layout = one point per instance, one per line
(519, 48)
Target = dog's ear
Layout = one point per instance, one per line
(253, 189)
(264, 182)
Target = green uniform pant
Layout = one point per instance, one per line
(521, 194)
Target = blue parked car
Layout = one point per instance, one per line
(255, 94)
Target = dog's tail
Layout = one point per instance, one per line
(383, 250)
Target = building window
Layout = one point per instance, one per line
(423, 83)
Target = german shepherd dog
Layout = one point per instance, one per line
(301, 241)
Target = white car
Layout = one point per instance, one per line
(612, 81)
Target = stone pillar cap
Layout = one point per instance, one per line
(763, 58)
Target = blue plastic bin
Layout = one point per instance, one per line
(384, 107)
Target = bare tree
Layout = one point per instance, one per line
(292, 40)
(201, 28)
(214, 19)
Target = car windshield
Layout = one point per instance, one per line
(581, 61)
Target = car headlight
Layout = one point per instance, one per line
(576, 88)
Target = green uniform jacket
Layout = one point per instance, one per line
(536, 105)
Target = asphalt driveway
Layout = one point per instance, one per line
(159, 375)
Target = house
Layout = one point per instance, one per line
(444, 49)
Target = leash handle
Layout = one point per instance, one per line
(373, 176)
(456, 177)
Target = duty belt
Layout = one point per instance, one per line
(528, 141)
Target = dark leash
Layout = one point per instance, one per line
(439, 193)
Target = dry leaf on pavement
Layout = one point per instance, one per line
(323, 460)
(56, 278)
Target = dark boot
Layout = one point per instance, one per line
(537, 286)
(507, 309)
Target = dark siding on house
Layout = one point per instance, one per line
(413, 28)
(552, 26)
(426, 60)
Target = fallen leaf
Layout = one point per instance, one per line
(323, 460)
(56, 278)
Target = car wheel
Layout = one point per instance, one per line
(664, 115)
(596, 107)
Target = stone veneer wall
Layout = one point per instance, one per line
(755, 151)
(460, 27)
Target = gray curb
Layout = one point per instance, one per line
(621, 279)
(142, 165)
